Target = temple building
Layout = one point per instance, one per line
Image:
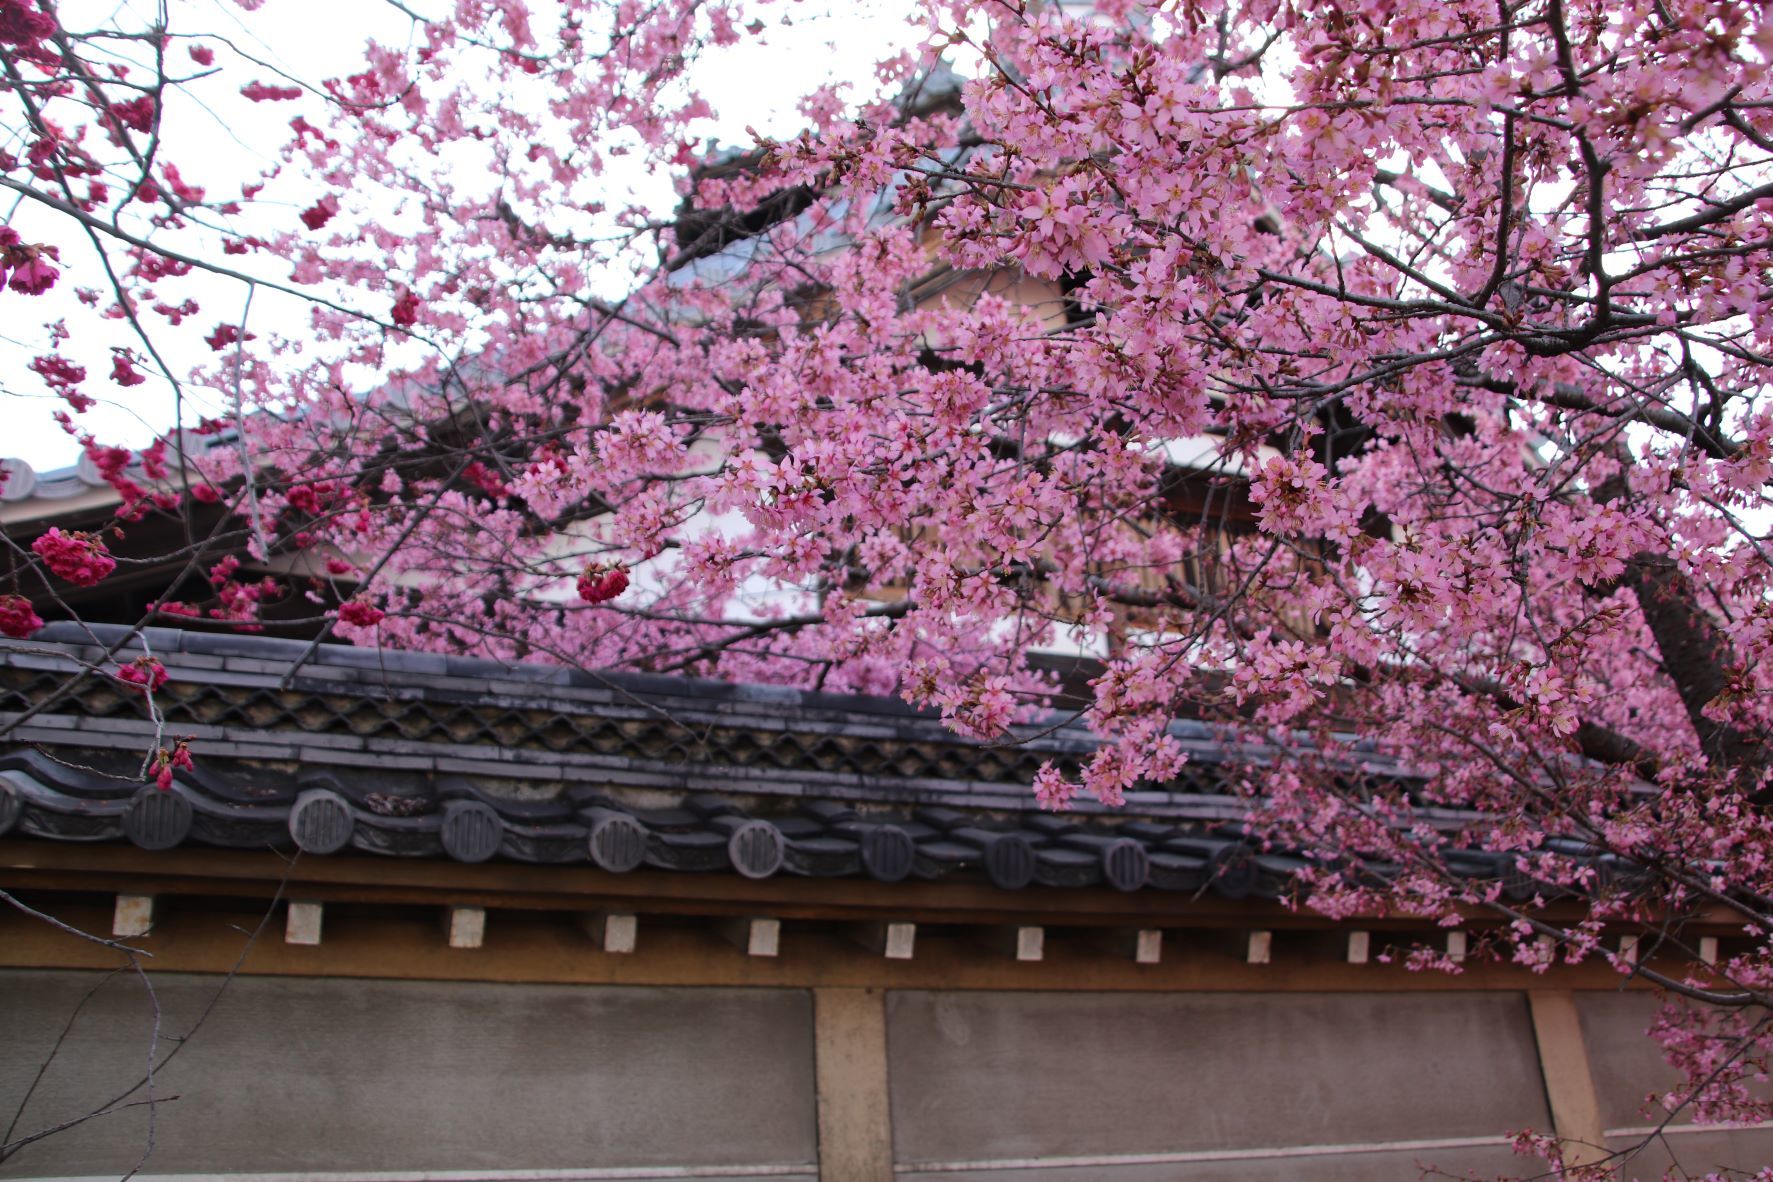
(416, 917)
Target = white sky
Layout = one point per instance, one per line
(220, 140)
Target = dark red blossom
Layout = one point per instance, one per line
(34, 276)
(406, 308)
(32, 273)
(18, 619)
(153, 266)
(259, 92)
(360, 614)
(166, 762)
(111, 462)
(23, 23)
(176, 313)
(153, 460)
(486, 479)
(123, 370)
(309, 498)
(137, 114)
(62, 376)
(321, 212)
(225, 335)
(145, 673)
(78, 557)
(191, 194)
(600, 584)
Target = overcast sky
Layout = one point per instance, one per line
(220, 141)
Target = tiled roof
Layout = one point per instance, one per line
(419, 755)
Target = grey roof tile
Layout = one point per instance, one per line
(419, 755)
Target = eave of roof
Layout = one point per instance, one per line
(425, 755)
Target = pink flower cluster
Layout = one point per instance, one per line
(166, 762)
(29, 266)
(1407, 464)
(406, 309)
(321, 212)
(18, 619)
(23, 24)
(78, 557)
(360, 614)
(600, 584)
(145, 673)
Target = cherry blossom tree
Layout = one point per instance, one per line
(1385, 378)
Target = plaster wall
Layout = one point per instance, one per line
(1627, 1069)
(1291, 1080)
(332, 1075)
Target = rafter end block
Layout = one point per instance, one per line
(613, 931)
(466, 926)
(134, 915)
(303, 924)
(755, 936)
(1023, 942)
(895, 941)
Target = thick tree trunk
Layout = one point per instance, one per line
(1697, 658)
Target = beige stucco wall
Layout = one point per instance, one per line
(294, 1075)
(992, 1078)
(341, 1077)
(1627, 1068)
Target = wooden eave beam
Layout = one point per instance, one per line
(117, 868)
(549, 947)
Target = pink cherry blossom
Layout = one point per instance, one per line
(1385, 391)
(600, 584)
(34, 276)
(18, 619)
(80, 558)
(360, 614)
(144, 673)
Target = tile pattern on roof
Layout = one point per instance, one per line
(245, 698)
(706, 832)
(414, 755)
(542, 728)
(325, 813)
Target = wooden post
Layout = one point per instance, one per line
(1569, 1084)
(850, 1064)
(134, 915)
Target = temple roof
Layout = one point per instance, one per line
(331, 747)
